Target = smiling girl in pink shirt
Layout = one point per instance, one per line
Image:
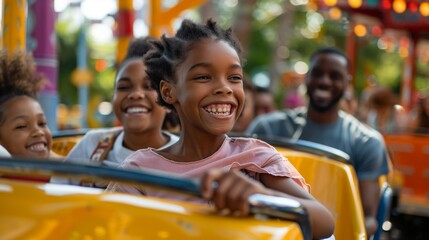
(198, 73)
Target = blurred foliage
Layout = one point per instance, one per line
(386, 67)
(68, 26)
(422, 77)
(66, 52)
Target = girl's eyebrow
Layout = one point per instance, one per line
(203, 64)
(19, 117)
(123, 79)
(26, 116)
(236, 66)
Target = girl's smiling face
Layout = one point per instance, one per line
(208, 94)
(134, 100)
(23, 130)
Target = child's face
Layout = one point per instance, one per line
(24, 132)
(209, 92)
(134, 100)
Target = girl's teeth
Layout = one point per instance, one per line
(137, 110)
(223, 109)
(37, 147)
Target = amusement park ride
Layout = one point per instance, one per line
(409, 154)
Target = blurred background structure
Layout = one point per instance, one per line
(78, 43)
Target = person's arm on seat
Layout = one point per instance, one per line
(372, 163)
(370, 194)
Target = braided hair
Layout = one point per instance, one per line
(169, 52)
(139, 47)
(136, 50)
(18, 77)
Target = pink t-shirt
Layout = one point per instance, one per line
(252, 155)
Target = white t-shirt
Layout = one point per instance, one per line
(4, 152)
(82, 151)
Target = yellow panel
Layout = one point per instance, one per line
(125, 4)
(161, 21)
(410, 154)
(63, 145)
(121, 48)
(335, 185)
(71, 212)
(14, 24)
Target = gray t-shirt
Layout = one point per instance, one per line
(364, 145)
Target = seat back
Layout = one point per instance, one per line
(335, 185)
(64, 141)
(410, 154)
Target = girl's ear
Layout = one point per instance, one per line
(167, 92)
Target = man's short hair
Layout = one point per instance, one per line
(330, 50)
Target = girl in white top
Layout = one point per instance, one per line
(4, 152)
(142, 118)
(23, 128)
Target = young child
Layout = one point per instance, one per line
(199, 74)
(137, 49)
(135, 107)
(23, 128)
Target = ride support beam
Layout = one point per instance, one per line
(13, 25)
(125, 33)
(409, 74)
(351, 51)
(41, 42)
(161, 21)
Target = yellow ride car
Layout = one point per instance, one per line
(36, 209)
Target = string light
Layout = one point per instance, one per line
(413, 6)
(355, 3)
(399, 6)
(376, 31)
(385, 4)
(403, 52)
(424, 9)
(335, 13)
(330, 3)
(360, 30)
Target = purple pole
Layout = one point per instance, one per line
(42, 43)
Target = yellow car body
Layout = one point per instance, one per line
(49, 211)
(34, 210)
(37, 210)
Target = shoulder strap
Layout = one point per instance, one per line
(104, 145)
(299, 117)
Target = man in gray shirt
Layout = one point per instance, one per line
(323, 122)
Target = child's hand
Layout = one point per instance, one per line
(230, 190)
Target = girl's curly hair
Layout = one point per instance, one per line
(169, 52)
(18, 77)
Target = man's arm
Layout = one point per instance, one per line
(371, 163)
(370, 195)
